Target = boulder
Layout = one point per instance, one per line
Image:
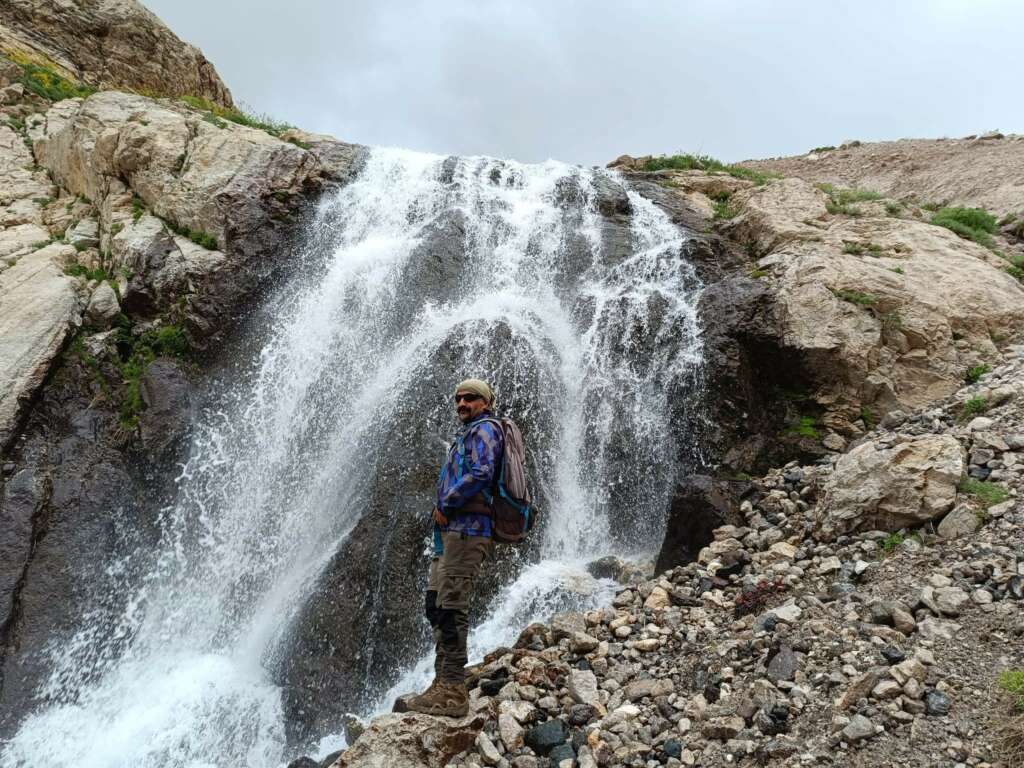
(412, 740)
(103, 306)
(960, 522)
(876, 487)
(38, 308)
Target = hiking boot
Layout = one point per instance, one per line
(444, 699)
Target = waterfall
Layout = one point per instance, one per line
(422, 271)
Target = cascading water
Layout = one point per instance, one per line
(588, 333)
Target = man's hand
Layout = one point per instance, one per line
(439, 518)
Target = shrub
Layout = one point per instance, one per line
(723, 210)
(893, 208)
(974, 224)
(137, 352)
(827, 148)
(871, 249)
(976, 372)
(890, 542)
(138, 208)
(868, 417)
(972, 407)
(897, 270)
(856, 297)
(688, 162)
(44, 81)
(985, 492)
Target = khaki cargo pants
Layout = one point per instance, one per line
(449, 588)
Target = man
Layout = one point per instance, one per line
(462, 541)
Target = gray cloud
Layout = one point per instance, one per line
(587, 81)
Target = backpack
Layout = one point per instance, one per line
(510, 498)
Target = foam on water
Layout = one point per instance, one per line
(169, 666)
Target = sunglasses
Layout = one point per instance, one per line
(469, 398)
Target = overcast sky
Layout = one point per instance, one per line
(588, 80)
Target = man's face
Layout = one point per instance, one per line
(468, 405)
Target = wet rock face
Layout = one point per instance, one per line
(700, 505)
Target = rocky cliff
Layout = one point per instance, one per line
(108, 44)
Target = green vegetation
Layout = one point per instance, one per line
(299, 144)
(757, 273)
(974, 224)
(138, 208)
(723, 210)
(976, 372)
(138, 352)
(893, 208)
(840, 200)
(985, 492)
(1007, 219)
(891, 321)
(857, 249)
(856, 297)
(217, 114)
(706, 163)
(828, 148)
(204, 239)
(1012, 681)
(805, 426)
(77, 270)
(43, 80)
(890, 542)
(868, 417)
(932, 207)
(43, 201)
(972, 407)
(214, 120)
(897, 270)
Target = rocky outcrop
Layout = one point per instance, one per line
(866, 309)
(982, 171)
(111, 44)
(411, 740)
(884, 486)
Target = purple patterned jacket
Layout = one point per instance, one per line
(467, 476)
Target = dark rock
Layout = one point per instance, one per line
(489, 687)
(560, 753)
(167, 395)
(1015, 588)
(936, 703)
(783, 664)
(328, 761)
(304, 762)
(700, 505)
(353, 728)
(581, 714)
(609, 567)
(546, 736)
(402, 703)
(892, 655)
(672, 748)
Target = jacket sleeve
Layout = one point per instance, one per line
(483, 451)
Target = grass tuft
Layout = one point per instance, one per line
(805, 426)
(217, 114)
(976, 372)
(974, 224)
(1012, 681)
(688, 162)
(973, 407)
(988, 494)
(856, 297)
